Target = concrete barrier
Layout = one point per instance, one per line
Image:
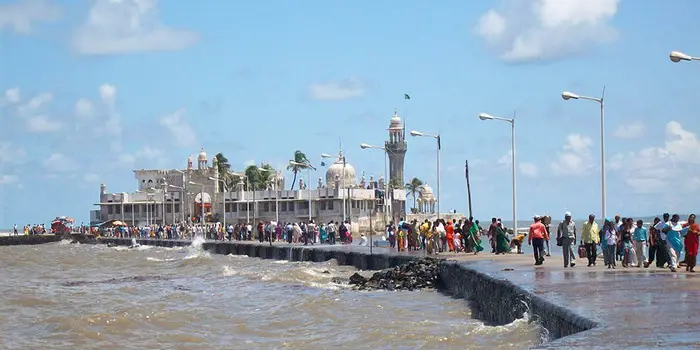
(29, 240)
(495, 301)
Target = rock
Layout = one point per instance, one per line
(326, 272)
(358, 279)
(339, 280)
(415, 275)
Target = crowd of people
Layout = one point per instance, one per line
(667, 241)
(270, 231)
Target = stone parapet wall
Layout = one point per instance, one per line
(495, 301)
(29, 240)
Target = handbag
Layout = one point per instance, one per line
(581, 251)
(559, 241)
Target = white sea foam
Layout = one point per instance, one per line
(150, 258)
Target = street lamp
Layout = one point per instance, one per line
(342, 179)
(277, 213)
(247, 203)
(184, 191)
(386, 175)
(437, 138)
(308, 179)
(148, 204)
(568, 96)
(484, 116)
(677, 56)
(223, 195)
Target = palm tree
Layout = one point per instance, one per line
(413, 187)
(224, 169)
(260, 180)
(299, 157)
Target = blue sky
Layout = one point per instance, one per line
(94, 89)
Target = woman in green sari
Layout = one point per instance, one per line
(474, 235)
(502, 244)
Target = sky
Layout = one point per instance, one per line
(90, 90)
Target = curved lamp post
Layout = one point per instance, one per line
(484, 116)
(571, 96)
(437, 138)
(677, 56)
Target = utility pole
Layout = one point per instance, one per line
(469, 192)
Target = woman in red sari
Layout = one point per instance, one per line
(691, 243)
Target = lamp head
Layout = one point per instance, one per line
(569, 95)
(677, 56)
(326, 155)
(416, 133)
(365, 146)
(484, 116)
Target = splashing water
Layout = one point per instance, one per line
(196, 250)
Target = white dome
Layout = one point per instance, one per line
(337, 169)
(395, 121)
(202, 155)
(426, 192)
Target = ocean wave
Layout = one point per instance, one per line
(150, 258)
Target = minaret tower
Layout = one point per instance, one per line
(396, 149)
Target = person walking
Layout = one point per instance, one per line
(610, 243)
(590, 239)
(640, 236)
(674, 246)
(536, 239)
(691, 230)
(566, 232)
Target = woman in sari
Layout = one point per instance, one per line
(691, 231)
(475, 239)
(502, 244)
(450, 236)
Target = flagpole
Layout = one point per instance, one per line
(469, 192)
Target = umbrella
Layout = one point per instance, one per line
(71, 220)
(117, 223)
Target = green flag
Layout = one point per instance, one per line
(406, 97)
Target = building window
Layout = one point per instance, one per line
(177, 208)
(283, 206)
(109, 209)
(304, 205)
(118, 209)
(273, 206)
(330, 204)
(323, 205)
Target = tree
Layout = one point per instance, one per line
(260, 179)
(299, 157)
(224, 170)
(413, 187)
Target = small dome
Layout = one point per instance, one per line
(337, 169)
(202, 155)
(426, 192)
(395, 121)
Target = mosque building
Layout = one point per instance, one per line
(174, 196)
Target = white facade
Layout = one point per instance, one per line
(174, 196)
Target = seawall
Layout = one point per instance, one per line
(493, 300)
(28, 240)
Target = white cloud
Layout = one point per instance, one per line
(126, 26)
(108, 93)
(91, 177)
(8, 179)
(58, 162)
(36, 102)
(42, 124)
(343, 90)
(10, 154)
(547, 29)
(657, 170)
(179, 128)
(12, 96)
(84, 108)
(633, 130)
(575, 160)
(20, 16)
(149, 153)
(528, 169)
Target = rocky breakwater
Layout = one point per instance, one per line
(418, 274)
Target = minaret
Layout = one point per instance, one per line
(396, 149)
